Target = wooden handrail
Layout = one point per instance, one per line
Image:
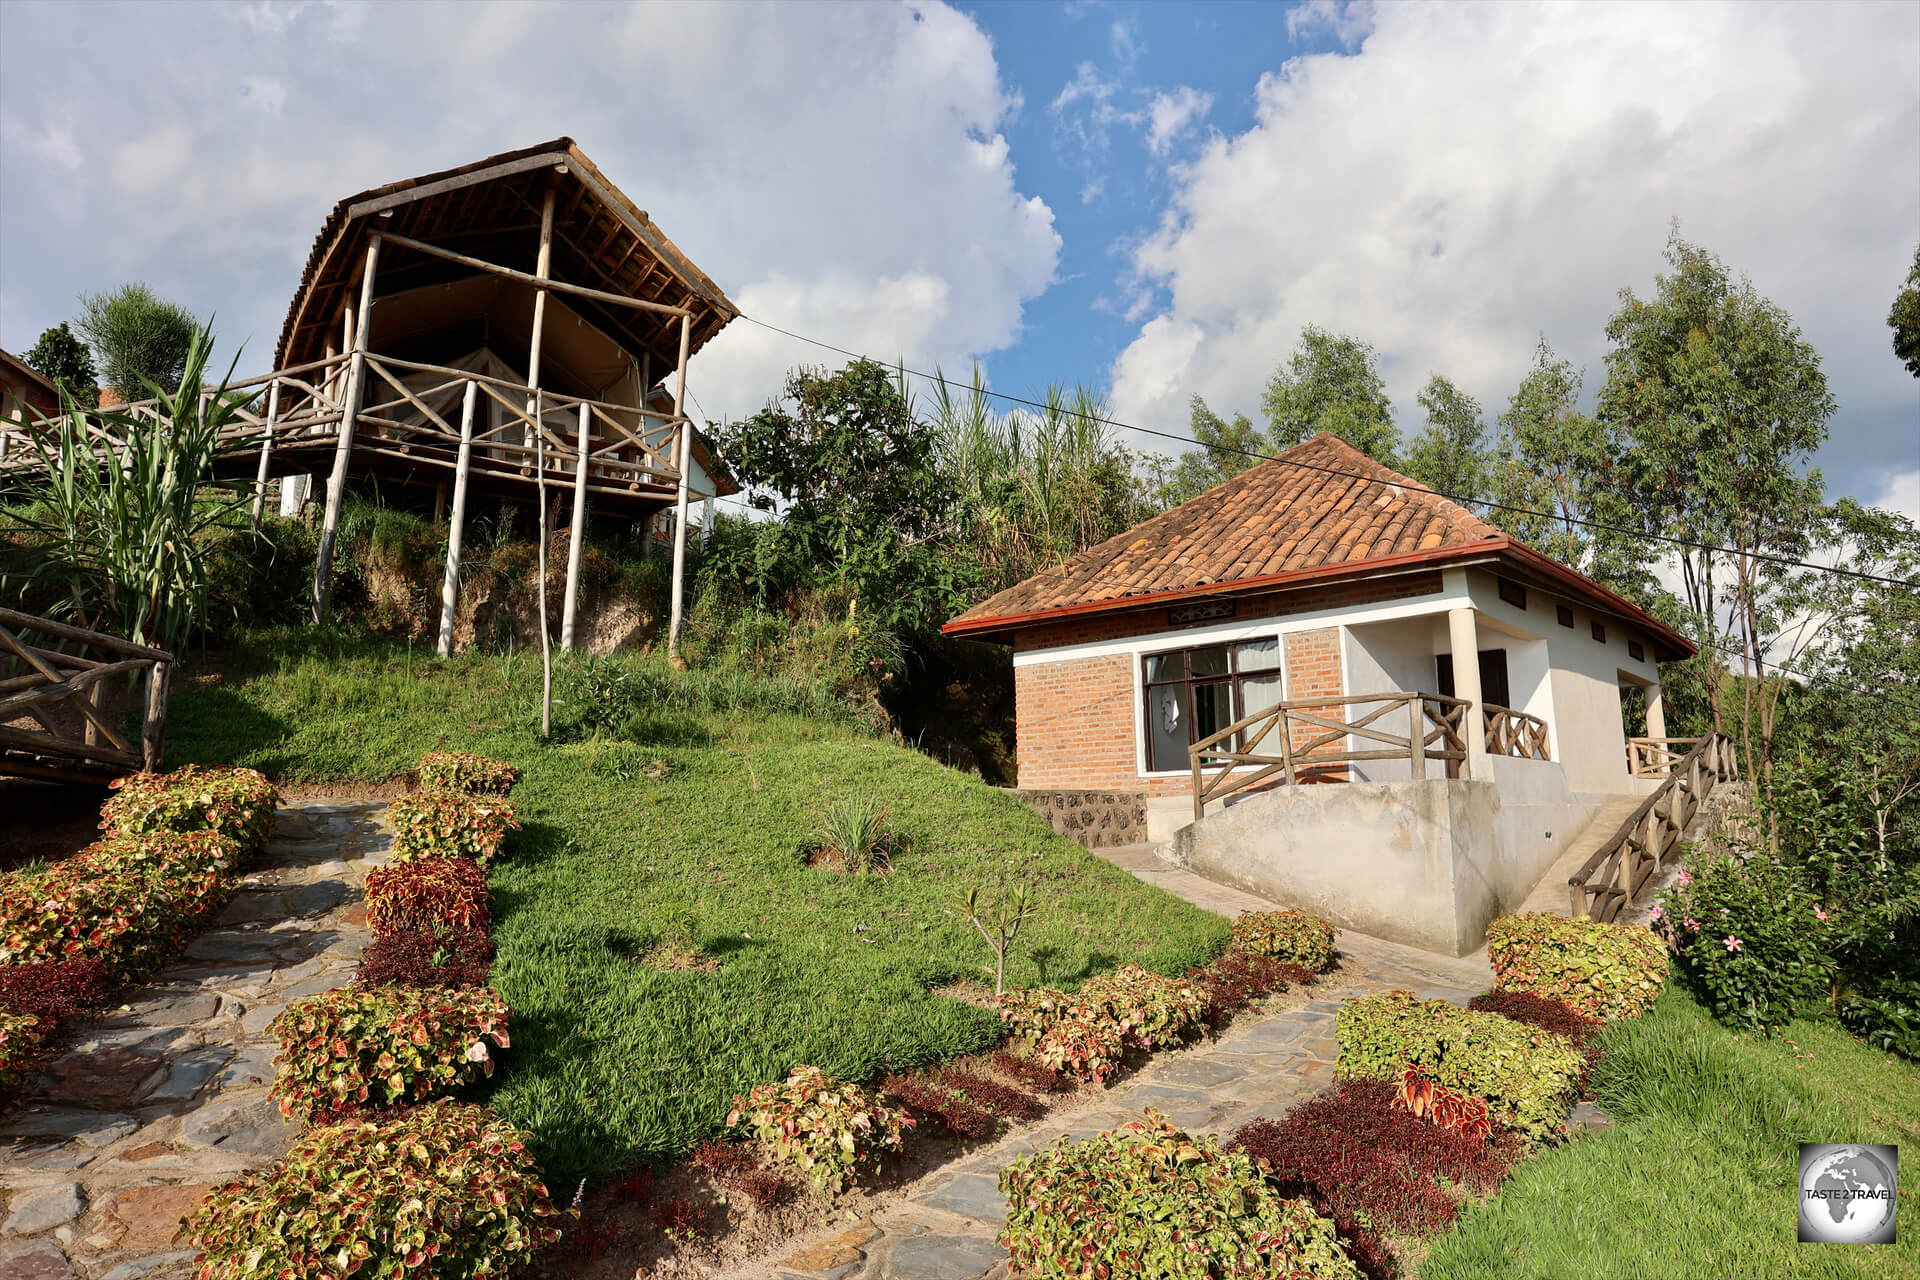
(1441, 735)
(1606, 883)
(1656, 757)
(50, 678)
(1515, 733)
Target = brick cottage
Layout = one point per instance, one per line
(1322, 618)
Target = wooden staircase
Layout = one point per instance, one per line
(55, 722)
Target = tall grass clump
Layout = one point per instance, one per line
(115, 514)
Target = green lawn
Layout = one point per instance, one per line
(613, 1059)
(1698, 1177)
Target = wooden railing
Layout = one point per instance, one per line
(1515, 733)
(37, 680)
(1656, 757)
(1606, 883)
(417, 411)
(1242, 753)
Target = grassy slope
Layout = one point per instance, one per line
(1698, 1178)
(612, 1058)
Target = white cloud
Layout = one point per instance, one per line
(1124, 37)
(1169, 115)
(877, 210)
(1348, 21)
(1902, 494)
(1477, 174)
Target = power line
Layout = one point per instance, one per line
(1349, 475)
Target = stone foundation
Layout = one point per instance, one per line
(1092, 819)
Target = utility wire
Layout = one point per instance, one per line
(1784, 561)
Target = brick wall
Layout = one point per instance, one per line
(1075, 718)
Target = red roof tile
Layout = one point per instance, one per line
(1318, 511)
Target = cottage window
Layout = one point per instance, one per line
(1194, 693)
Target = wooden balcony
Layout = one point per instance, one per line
(54, 719)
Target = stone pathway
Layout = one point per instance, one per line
(945, 1229)
(167, 1096)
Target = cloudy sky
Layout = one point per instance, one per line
(1150, 198)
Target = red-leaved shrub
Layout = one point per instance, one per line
(948, 1111)
(681, 1220)
(1002, 1100)
(433, 893)
(730, 1166)
(443, 957)
(449, 824)
(1035, 1075)
(1548, 1015)
(1371, 1166)
(1448, 1108)
(54, 991)
(1237, 978)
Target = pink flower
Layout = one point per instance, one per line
(1818, 914)
(1684, 878)
(1733, 943)
(1725, 912)
(1656, 913)
(1691, 923)
(477, 1051)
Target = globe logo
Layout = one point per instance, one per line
(1848, 1194)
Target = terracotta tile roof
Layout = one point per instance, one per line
(1316, 512)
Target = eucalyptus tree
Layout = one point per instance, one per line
(1718, 402)
(1450, 454)
(1226, 449)
(1331, 382)
(1904, 319)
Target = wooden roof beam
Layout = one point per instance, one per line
(579, 290)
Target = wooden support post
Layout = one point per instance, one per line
(153, 729)
(1417, 737)
(706, 520)
(542, 268)
(682, 456)
(579, 531)
(450, 584)
(266, 448)
(544, 264)
(349, 410)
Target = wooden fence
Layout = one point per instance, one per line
(1515, 733)
(1656, 757)
(1606, 883)
(1435, 731)
(39, 680)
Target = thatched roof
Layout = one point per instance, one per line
(490, 209)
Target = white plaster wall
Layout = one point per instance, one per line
(1581, 696)
(1539, 819)
(1387, 657)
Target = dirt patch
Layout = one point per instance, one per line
(48, 821)
(669, 959)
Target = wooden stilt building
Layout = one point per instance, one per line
(480, 331)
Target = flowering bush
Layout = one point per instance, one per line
(445, 957)
(1599, 970)
(1527, 1076)
(352, 1048)
(434, 893)
(1147, 1201)
(1749, 936)
(826, 1127)
(1148, 1010)
(237, 803)
(1373, 1167)
(449, 824)
(1086, 1043)
(124, 901)
(1295, 936)
(447, 1189)
(463, 771)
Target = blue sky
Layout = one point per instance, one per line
(1152, 198)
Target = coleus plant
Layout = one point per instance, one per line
(464, 771)
(356, 1048)
(440, 823)
(1449, 1108)
(237, 803)
(826, 1127)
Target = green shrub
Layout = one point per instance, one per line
(1750, 938)
(1085, 1043)
(1886, 1016)
(237, 803)
(354, 1048)
(1598, 970)
(1148, 1010)
(1529, 1077)
(125, 901)
(20, 1037)
(464, 771)
(1148, 1202)
(828, 1128)
(1029, 1011)
(449, 824)
(447, 1189)
(1293, 936)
